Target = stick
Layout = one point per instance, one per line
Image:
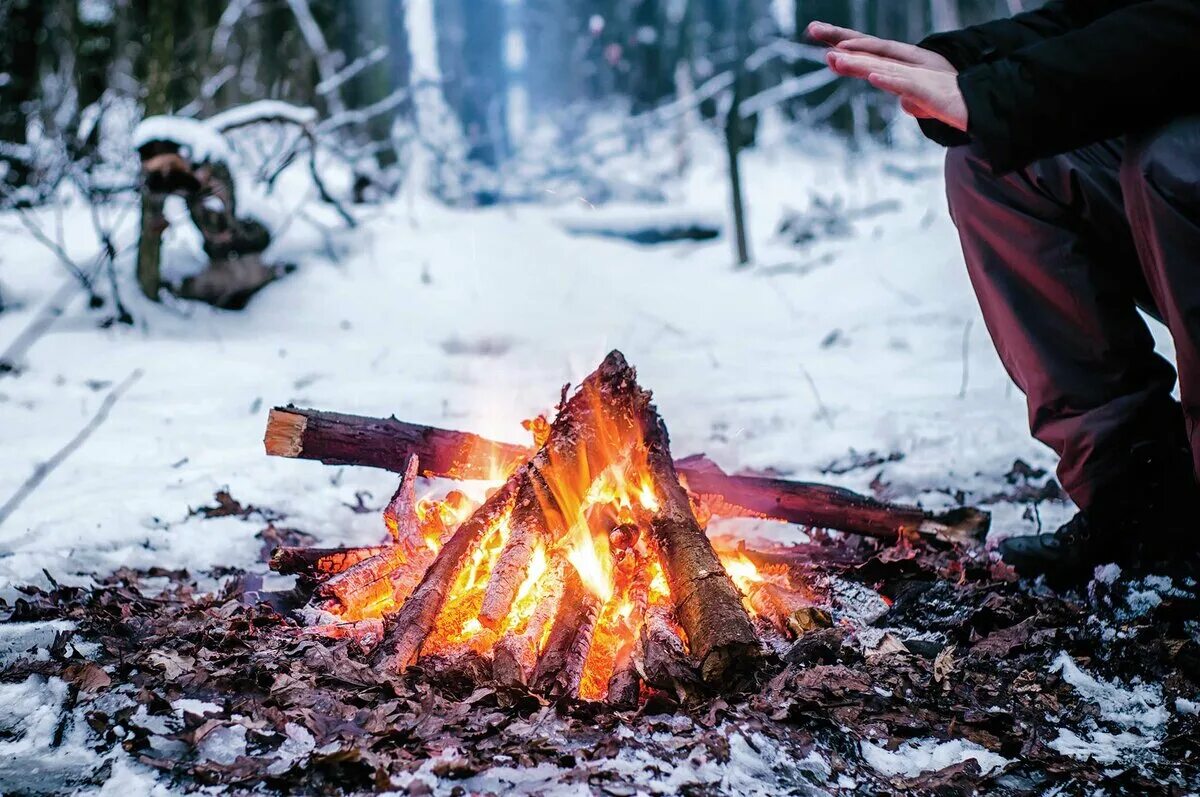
(338, 439)
(46, 468)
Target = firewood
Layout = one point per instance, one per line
(708, 607)
(339, 439)
(661, 660)
(568, 441)
(363, 584)
(516, 654)
(560, 666)
(823, 506)
(400, 515)
(625, 685)
(319, 563)
(573, 442)
(527, 526)
(391, 573)
(411, 625)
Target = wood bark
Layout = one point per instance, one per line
(708, 607)
(339, 439)
(661, 660)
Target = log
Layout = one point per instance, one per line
(400, 515)
(560, 667)
(708, 607)
(661, 660)
(527, 526)
(515, 655)
(319, 563)
(338, 439)
(570, 440)
(411, 625)
(559, 473)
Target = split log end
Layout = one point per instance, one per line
(285, 433)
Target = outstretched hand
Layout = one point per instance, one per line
(925, 82)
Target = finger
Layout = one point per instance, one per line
(832, 34)
(860, 66)
(897, 51)
(902, 86)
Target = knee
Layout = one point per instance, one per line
(1166, 159)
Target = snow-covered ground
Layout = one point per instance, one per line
(474, 320)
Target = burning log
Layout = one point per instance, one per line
(533, 505)
(560, 667)
(516, 654)
(339, 439)
(708, 606)
(660, 658)
(528, 525)
(410, 626)
(319, 563)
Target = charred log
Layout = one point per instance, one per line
(560, 667)
(319, 563)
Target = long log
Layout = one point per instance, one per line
(339, 439)
(708, 606)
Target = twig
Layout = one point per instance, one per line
(46, 468)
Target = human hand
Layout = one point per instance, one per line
(924, 93)
(849, 40)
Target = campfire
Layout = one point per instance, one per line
(585, 571)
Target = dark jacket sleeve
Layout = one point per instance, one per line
(1128, 69)
(990, 41)
(987, 42)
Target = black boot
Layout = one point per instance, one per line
(1150, 516)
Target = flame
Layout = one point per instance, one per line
(595, 570)
(597, 507)
(743, 572)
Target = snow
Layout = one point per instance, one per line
(913, 758)
(1137, 711)
(201, 142)
(262, 109)
(756, 766)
